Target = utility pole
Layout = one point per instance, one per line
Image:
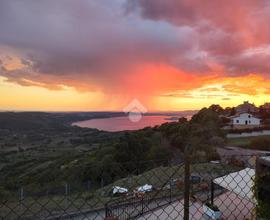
(212, 192)
(88, 185)
(21, 197)
(187, 182)
(102, 182)
(67, 189)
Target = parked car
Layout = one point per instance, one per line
(145, 188)
(116, 190)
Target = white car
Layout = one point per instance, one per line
(119, 190)
(145, 188)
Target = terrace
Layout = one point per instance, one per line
(236, 202)
(230, 204)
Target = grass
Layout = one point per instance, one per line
(243, 141)
(239, 142)
(76, 202)
(160, 176)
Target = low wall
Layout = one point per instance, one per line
(249, 134)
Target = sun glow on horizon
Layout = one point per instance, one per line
(17, 97)
(226, 91)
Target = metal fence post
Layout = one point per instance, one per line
(142, 205)
(21, 196)
(102, 182)
(106, 210)
(212, 192)
(66, 193)
(187, 184)
(170, 192)
(88, 185)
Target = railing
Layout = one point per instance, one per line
(130, 208)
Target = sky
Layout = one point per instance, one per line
(95, 55)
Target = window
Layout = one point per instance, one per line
(237, 121)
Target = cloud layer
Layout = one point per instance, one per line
(119, 46)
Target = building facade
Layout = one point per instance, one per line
(245, 120)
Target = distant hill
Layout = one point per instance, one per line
(27, 120)
(21, 121)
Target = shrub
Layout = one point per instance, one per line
(260, 143)
(213, 156)
(3, 193)
(239, 131)
(217, 141)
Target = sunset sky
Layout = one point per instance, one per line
(89, 55)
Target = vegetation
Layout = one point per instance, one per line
(261, 190)
(239, 142)
(159, 177)
(248, 130)
(256, 143)
(260, 143)
(199, 135)
(41, 151)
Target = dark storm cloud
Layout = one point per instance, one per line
(173, 11)
(92, 39)
(226, 28)
(99, 41)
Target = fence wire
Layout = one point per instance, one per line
(236, 187)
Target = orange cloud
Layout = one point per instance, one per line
(252, 84)
(203, 53)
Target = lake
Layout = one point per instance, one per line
(123, 123)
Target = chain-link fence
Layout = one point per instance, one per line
(227, 189)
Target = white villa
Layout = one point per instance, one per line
(245, 120)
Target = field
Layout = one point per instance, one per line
(43, 157)
(244, 142)
(42, 152)
(94, 201)
(239, 142)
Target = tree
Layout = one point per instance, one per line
(233, 111)
(182, 120)
(216, 108)
(197, 133)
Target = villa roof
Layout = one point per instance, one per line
(239, 114)
(240, 182)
